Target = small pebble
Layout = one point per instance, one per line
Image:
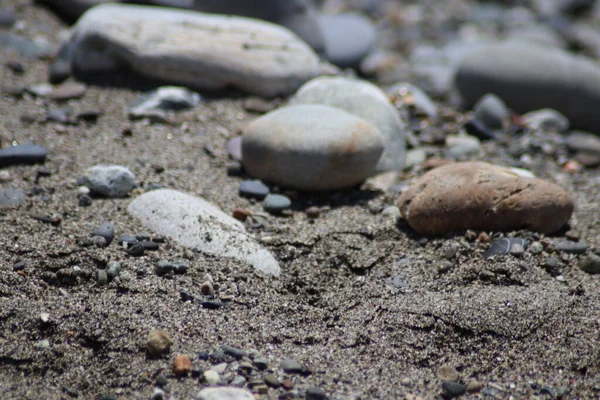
(536, 248)
(240, 214)
(313, 212)
(271, 380)
(99, 241)
(254, 189)
(391, 212)
(158, 342)
(234, 148)
(83, 191)
(84, 201)
(182, 365)
(447, 373)
(474, 386)
(137, 250)
(276, 203)
(292, 367)
(113, 269)
(315, 393)
(211, 377)
(261, 363)
(111, 181)
(161, 380)
(287, 384)
(101, 277)
(238, 381)
(158, 394)
(233, 351)
(5, 176)
(105, 230)
(590, 264)
(453, 389)
(207, 289)
(180, 267)
(570, 247)
(517, 250)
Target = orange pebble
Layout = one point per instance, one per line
(182, 365)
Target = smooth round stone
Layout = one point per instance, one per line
(112, 181)
(234, 148)
(491, 111)
(482, 196)
(391, 212)
(453, 389)
(366, 101)
(105, 230)
(68, 91)
(22, 154)
(311, 147)
(211, 377)
(276, 203)
(12, 197)
(529, 77)
(462, 147)
(224, 393)
(5, 177)
(547, 120)
(568, 246)
(254, 189)
(348, 38)
(113, 269)
(315, 393)
(447, 373)
(291, 366)
(157, 102)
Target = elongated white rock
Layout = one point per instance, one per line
(196, 223)
(530, 76)
(194, 49)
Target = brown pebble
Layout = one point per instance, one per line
(447, 373)
(470, 235)
(182, 365)
(258, 105)
(287, 384)
(69, 90)
(240, 214)
(474, 386)
(313, 212)
(207, 289)
(483, 238)
(483, 196)
(433, 163)
(572, 235)
(158, 342)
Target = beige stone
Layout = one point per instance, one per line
(482, 196)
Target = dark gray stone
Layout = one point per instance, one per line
(453, 389)
(315, 393)
(7, 17)
(292, 367)
(23, 154)
(491, 111)
(233, 351)
(590, 264)
(567, 246)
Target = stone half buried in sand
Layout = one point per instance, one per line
(193, 49)
(311, 147)
(195, 223)
(478, 195)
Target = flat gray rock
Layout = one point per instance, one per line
(311, 147)
(530, 77)
(193, 49)
(224, 393)
(366, 101)
(12, 197)
(193, 222)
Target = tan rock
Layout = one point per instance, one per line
(158, 342)
(182, 365)
(447, 373)
(482, 196)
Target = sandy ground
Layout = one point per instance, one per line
(368, 306)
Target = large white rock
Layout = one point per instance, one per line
(366, 101)
(311, 147)
(196, 223)
(189, 48)
(224, 393)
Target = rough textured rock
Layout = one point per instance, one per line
(366, 101)
(193, 49)
(311, 147)
(477, 195)
(530, 77)
(110, 180)
(195, 223)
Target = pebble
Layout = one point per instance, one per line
(517, 250)
(238, 381)
(40, 89)
(366, 101)
(182, 365)
(31, 49)
(482, 196)
(461, 147)
(447, 373)
(99, 241)
(276, 203)
(546, 120)
(491, 111)
(195, 223)
(5, 177)
(287, 384)
(474, 386)
(479, 130)
(60, 115)
(127, 241)
(313, 212)
(234, 148)
(348, 38)
(158, 342)
(113, 269)
(106, 230)
(180, 267)
(504, 246)
(158, 394)
(19, 266)
(261, 363)
(315, 393)
(590, 264)
(22, 154)
(311, 147)
(292, 367)
(405, 92)
(112, 181)
(536, 248)
(253, 189)
(7, 17)
(453, 389)
(249, 55)
(59, 71)
(12, 197)
(68, 91)
(101, 277)
(84, 201)
(530, 77)
(391, 212)
(272, 381)
(156, 103)
(137, 250)
(568, 246)
(233, 351)
(222, 393)
(241, 214)
(586, 146)
(211, 377)
(207, 289)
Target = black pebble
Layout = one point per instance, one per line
(23, 154)
(212, 304)
(150, 246)
(479, 130)
(137, 250)
(186, 296)
(161, 380)
(233, 351)
(19, 266)
(453, 389)
(85, 200)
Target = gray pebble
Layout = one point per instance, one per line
(567, 246)
(180, 267)
(590, 264)
(101, 277)
(315, 393)
(253, 189)
(12, 197)
(85, 201)
(99, 241)
(137, 250)
(110, 180)
(106, 230)
(503, 246)
(113, 269)
(517, 250)
(128, 240)
(238, 381)
(233, 351)
(261, 363)
(491, 111)
(271, 380)
(453, 389)
(536, 248)
(292, 367)
(276, 203)
(163, 267)
(234, 148)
